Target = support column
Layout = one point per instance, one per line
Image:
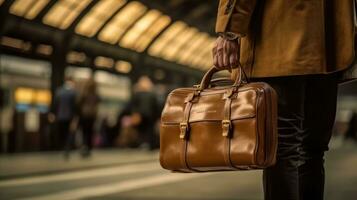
(58, 66)
(58, 62)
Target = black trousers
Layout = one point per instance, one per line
(65, 135)
(306, 111)
(87, 131)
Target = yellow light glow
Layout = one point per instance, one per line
(20, 7)
(64, 12)
(121, 22)
(24, 95)
(177, 44)
(123, 66)
(76, 57)
(97, 16)
(44, 49)
(204, 61)
(1, 1)
(104, 62)
(36, 8)
(203, 55)
(159, 44)
(12, 42)
(42, 97)
(196, 44)
(143, 42)
(138, 29)
(28, 8)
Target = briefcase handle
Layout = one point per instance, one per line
(216, 81)
(209, 74)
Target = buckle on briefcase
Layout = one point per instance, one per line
(226, 127)
(183, 130)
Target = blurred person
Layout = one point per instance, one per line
(128, 133)
(63, 113)
(88, 103)
(351, 132)
(144, 108)
(107, 131)
(300, 48)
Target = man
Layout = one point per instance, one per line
(63, 112)
(299, 47)
(144, 107)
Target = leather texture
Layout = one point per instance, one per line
(219, 128)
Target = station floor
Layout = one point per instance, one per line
(136, 175)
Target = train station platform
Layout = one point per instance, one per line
(136, 175)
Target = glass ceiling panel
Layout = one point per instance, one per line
(28, 9)
(97, 16)
(20, 7)
(115, 29)
(202, 56)
(123, 66)
(205, 61)
(64, 12)
(196, 44)
(139, 28)
(170, 52)
(206, 54)
(179, 42)
(166, 37)
(145, 39)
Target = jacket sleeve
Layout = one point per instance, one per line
(234, 16)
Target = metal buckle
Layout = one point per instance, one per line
(226, 127)
(183, 130)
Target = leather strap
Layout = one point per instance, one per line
(227, 126)
(226, 122)
(184, 125)
(185, 129)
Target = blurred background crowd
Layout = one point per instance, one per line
(81, 116)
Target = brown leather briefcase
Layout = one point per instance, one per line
(219, 128)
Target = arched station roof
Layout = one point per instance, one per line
(178, 31)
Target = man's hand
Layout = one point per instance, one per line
(226, 53)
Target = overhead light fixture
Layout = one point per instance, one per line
(15, 43)
(123, 66)
(156, 48)
(76, 57)
(44, 49)
(97, 16)
(103, 62)
(64, 12)
(28, 9)
(118, 26)
(138, 29)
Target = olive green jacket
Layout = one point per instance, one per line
(283, 38)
